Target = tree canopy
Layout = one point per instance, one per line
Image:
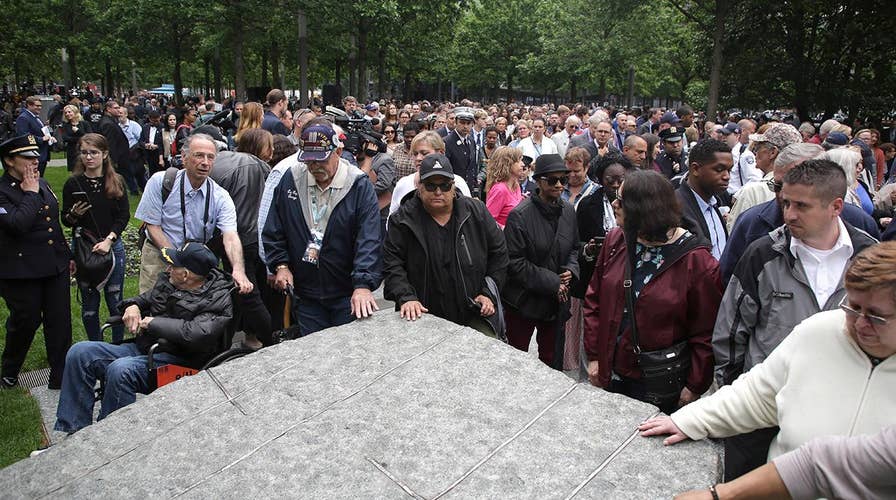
(812, 55)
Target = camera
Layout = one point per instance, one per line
(358, 131)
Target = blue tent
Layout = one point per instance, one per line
(166, 88)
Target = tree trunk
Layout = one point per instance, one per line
(303, 59)
(73, 65)
(406, 92)
(362, 62)
(239, 64)
(107, 85)
(572, 90)
(277, 78)
(178, 80)
(715, 71)
(216, 68)
(509, 87)
(264, 68)
(381, 73)
(208, 74)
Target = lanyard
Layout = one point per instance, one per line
(183, 209)
(318, 212)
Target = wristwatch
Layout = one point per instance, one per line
(112, 238)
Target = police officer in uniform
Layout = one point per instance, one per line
(34, 276)
(461, 150)
(672, 162)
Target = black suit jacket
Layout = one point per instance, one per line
(690, 211)
(152, 156)
(119, 150)
(32, 244)
(464, 159)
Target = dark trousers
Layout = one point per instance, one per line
(318, 314)
(30, 303)
(746, 452)
(519, 334)
(250, 313)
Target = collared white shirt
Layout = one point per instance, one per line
(824, 268)
(713, 223)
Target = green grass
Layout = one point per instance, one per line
(57, 155)
(20, 427)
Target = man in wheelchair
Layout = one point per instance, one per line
(188, 311)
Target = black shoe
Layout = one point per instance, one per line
(9, 382)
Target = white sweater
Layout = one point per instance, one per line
(817, 382)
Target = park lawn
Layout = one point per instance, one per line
(20, 432)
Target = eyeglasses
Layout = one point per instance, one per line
(554, 180)
(432, 186)
(90, 154)
(774, 186)
(199, 156)
(389, 132)
(871, 318)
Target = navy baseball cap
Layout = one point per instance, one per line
(730, 128)
(318, 142)
(670, 117)
(194, 256)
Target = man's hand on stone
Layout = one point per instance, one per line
(412, 310)
(363, 303)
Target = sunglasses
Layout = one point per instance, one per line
(552, 180)
(444, 187)
(390, 132)
(774, 186)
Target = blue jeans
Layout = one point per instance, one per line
(123, 367)
(316, 315)
(90, 299)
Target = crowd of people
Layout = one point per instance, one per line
(727, 271)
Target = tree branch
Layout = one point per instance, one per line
(691, 17)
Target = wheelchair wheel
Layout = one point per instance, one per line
(230, 354)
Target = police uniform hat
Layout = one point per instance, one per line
(463, 113)
(23, 145)
(672, 134)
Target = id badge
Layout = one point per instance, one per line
(312, 251)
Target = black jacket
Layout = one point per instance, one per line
(690, 210)
(194, 322)
(590, 222)
(152, 157)
(119, 149)
(481, 251)
(538, 256)
(464, 158)
(32, 244)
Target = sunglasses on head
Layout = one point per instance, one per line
(444, 187)
(774, 186)
(551, 180)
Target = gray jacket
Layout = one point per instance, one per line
(768, 295)
(242, 175)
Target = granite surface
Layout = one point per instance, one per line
(380, 408)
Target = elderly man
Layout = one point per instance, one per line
(635, 149)
(190, 208)
(322, 234)
(190, 309)
(562, 138)
(440, 251)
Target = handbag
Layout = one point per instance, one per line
(92, 269)
(664, 371)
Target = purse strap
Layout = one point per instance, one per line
(90, 212)
(630, 302)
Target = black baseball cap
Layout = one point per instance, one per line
(436, 164)
(194, 256)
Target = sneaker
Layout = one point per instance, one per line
(9, 382)
(39, 450)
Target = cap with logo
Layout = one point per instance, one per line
(670, 117)
(436, 164)
(318, 141)
(23, 145)
(672, 134)
(196, 257)
(730, 128)
(463, 113)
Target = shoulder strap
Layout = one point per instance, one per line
(630, 303)
(168, 182)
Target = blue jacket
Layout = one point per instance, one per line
(762, 219)
(890, 233)
(26, 123)
(350, 256)
(272, 124)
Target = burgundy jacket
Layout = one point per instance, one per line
(680, 302)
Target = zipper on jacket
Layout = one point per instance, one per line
(855, 417)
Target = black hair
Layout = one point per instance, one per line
(411, 125)
(600, 164)
(705, 151)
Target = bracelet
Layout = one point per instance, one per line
(715, 494)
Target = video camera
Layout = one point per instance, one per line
(358, 131)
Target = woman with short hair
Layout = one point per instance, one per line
(675, 290)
